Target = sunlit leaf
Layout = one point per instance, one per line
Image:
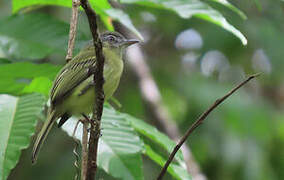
(40, 85)
(232, 7)
(101, 7)
(17, 125)
(124, 19)
(192, 8)
(20, 4)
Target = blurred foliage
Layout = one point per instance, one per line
(16, 77)
(243, 139)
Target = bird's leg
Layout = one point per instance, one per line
(86, 118)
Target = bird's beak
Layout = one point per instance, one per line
(129, 42)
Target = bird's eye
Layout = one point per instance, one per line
(111, 38)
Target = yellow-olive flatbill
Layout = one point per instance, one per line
(72, 92)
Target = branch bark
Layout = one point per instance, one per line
(199, 121)
(72, 30)
(152, 97)
(99, 98)
(69, 56)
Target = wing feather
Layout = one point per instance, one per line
(70, 77)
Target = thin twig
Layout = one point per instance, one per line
(152, 97)
(199, 121)
(75, 152)
(84, 162)
(72, 30)
(99, 98)
(71, 43)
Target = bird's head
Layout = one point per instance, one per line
(113, 40)
(116, 40)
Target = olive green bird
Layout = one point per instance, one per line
(72, 93)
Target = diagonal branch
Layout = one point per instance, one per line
(99, 98)
(199, 121)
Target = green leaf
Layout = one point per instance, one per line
(107, 22)
(120, 145)
(40, 85)
(40, 35)
(15, 76)
(176, 171)
(120, 148)
(190, 8)
(17, 125)
(232, 7)
(124, 19)
(20, 4)
(156, 136)
(102, 7)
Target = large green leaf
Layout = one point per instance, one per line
(156, 136)
(175, 170)
(15, 76)
(120, 148)
(232, 7)
(120, 145)
(124, 19)
(102, 7)
(34, 36)
(40, 85)
(189, 8)
(18, 117)
(19, 4)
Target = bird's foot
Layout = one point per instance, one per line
(86, 118)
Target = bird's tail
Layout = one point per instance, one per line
(43, 134)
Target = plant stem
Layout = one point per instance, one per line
(84, 162)
(199, 121)
(72, 30)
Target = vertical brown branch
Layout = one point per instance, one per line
(199, 121)
(72, 30)
(99, 98)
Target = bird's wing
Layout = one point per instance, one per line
(70, 77)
